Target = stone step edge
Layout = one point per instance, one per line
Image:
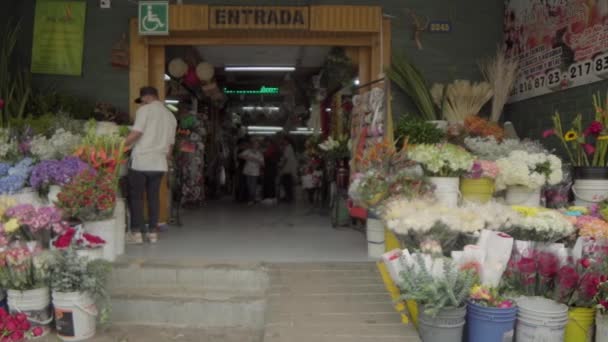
(172, 295)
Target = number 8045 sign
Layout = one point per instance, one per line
(576, 74)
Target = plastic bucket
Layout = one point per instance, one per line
(75, 315)
(601, 327)
(54, 191)
(521, 195)
(106, 230)
(446, 190)
(412, 308)
(120, 215)
(540, 319)
(35, 304)
(590, 172)
(375, 237)
(477, 190)
(485, 324)
(589, 191)
(390, 241)
(580, 325)
(447, 326)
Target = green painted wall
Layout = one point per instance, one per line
(477, 28)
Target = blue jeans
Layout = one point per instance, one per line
(252, 187)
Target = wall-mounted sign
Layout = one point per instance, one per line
(258, 17)
(440, 26)
(559, 46)
(58, 37)
(153, 18)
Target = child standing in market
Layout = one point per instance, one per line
(254, 161)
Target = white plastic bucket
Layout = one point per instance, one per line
(120, 216)
(540, 319)
(27, 196)
(90, 253)
(35, 304)
(375, 238)
(590, 191)
(601, 327)
(106, 230)
(524, 196)
(75, 315)
(447, 190)
(54, 191)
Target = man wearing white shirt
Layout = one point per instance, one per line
(152, 138)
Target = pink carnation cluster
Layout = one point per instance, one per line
(593, 227)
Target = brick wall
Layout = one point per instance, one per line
(476, 31)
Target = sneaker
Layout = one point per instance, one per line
(135, 239)
(153, 237)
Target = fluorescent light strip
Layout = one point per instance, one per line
(265, 128)
(172, 101)
(258, 68)
(249, 108)
(302, 132)
(167, 77)
(261, 133)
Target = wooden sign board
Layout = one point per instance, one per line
(259, 17)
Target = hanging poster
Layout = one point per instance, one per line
(560, 44)
(58, 37)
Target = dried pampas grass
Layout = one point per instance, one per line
(461, 98)
(501, 73)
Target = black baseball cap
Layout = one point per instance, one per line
(146, 91)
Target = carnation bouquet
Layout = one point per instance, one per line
(34, 224)
(28, 269)
(537, 224)
(89, 196)
(531, 170)
(442, 160)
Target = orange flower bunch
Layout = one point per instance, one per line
(102, 152)
(377, 156)
(478, 126)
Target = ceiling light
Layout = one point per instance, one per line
(263, 90)
(304, 129)
(265, 128)
(357, 82)
(302, 132)
(328, 110)
(171, 101)
(258, 68)
(249, 108)
(172, 108)
(167, 77)
(261, 133)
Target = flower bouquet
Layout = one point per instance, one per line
(16, 176)
(537, 224)
(592, 227)
(85, 244)
(28, 268)
(369, 189)
(61, 144)
(89, 196)
(33, 224)
(489, 297)
(103, 152)
(491, 149)
(477, 185)
(442, 160)
(530, 170)
(53, 172)
(16, 327)
(335, 149)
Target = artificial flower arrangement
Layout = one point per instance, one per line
(335, 149)
(90, 196)
(56, 172)
(483, 169)
(489, 148)
(531, 170)
(61, 144)
(584, 146)
(14, 178)
(442, 160)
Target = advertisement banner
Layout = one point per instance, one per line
(560, 44)
(58, 37)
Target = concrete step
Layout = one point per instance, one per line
(187, 308)
(144, 274)
(134, 333)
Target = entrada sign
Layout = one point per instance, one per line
(256, 17)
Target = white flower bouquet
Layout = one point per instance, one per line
(442, 160)
(9, 150)
(539, 224)
(531, 170)
(63, 143)
(489, 148)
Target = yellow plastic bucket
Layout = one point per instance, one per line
(580, 325)
(477, 190)
(412, 307)
(390, 240)
(393, 290)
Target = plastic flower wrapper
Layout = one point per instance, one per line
(489, 297)
(497, 248)
(77, 238)
(470, 258)
(548, 264)
(520, 275)
(394, 262)
(368, 190)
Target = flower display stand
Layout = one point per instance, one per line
(106, 230)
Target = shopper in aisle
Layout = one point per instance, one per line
(152, 138)
(254, 161)
(289, 169)
(272, 156)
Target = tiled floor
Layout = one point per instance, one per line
(225, 231)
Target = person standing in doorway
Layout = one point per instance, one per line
(151, 139)
(254, 161)
(289, 169)
(272, 155)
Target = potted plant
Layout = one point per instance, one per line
(29, 272)
(91, 198)
(523, 174)
(443, 163)
(490, 316)
(477, 185)
(78, 284)
(441, 291)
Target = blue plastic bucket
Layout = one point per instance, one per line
(486, 324)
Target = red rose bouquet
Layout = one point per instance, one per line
(16, 328)
(89, 197)
(77, 238)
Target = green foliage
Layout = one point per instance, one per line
(72, 273)
(15, 82)
(45, 101)
(407, 77)
(43, 125)
(417, 131)
(435, 292)
(338, 70)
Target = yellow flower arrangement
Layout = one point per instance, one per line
(11, 226)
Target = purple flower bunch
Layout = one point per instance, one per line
(55, 172)
(36, 219)
(4, 167)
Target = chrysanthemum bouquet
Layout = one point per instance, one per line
(442, 160)
(542, 225)
(532, 170)
(61, 144)
(491, 149)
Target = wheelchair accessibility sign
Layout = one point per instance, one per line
(153, 18)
